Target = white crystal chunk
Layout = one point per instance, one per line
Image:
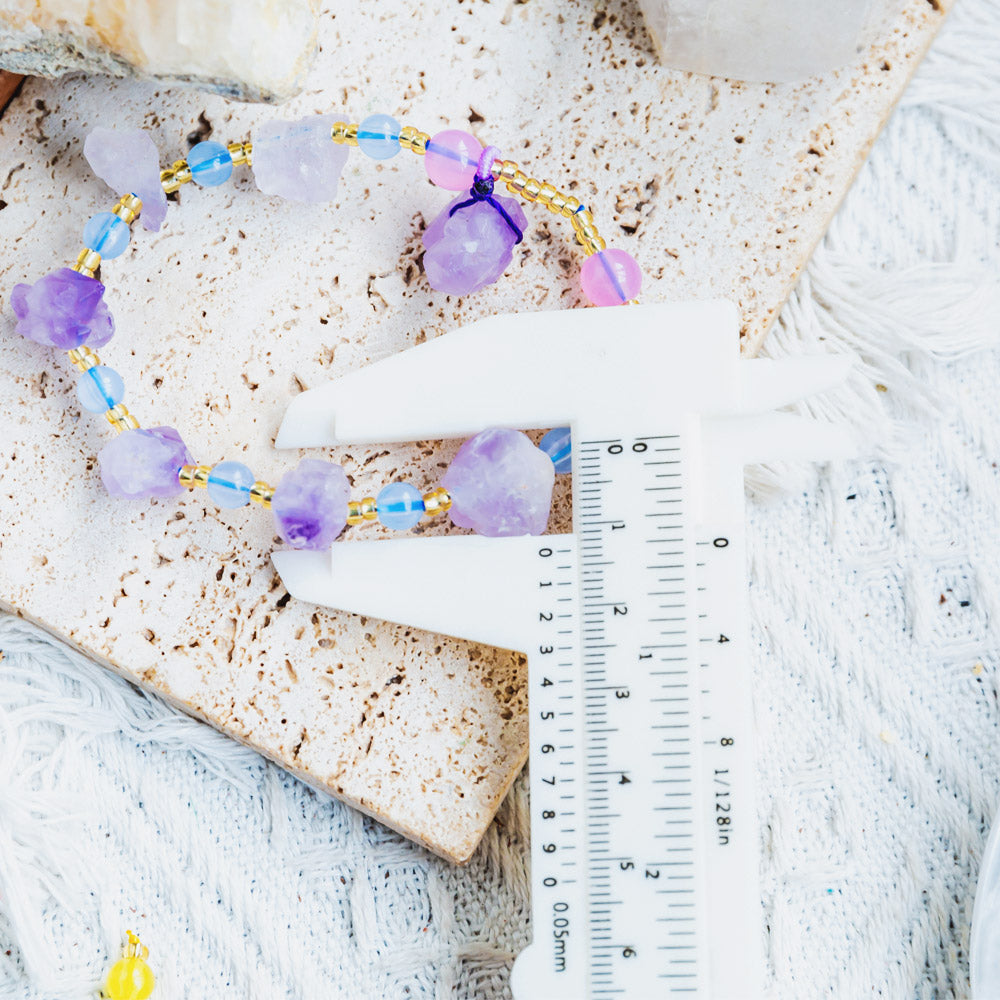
(764, 40)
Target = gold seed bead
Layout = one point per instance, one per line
(344, 134)
(261, 493)
(84, 358)
(128, 208)
(354, 515)
(504, 170)
(436, 502)
(87, 262)
(546, 193)
(531, 189)
(120, 418)
(369, 511)
(241, 152)
(175, 175)
(194, 475)
(414, 140)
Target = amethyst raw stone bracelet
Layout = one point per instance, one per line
(498, 484)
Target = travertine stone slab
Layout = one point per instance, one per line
(720, 190)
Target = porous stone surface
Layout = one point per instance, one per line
(240, 301)
(251, 50)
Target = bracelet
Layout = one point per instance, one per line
(499, 483)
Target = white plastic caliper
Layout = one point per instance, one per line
(644, 842)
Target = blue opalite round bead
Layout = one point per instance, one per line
(400, 506)
(100, 388)
(106, 234)
(229, 484)
(557, 445)
(378, 137)
(210, 163)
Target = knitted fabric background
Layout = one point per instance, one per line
(875, 598)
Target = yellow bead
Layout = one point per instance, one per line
(413, 139)
(129, 979)
(354, 514)
(87, 262)
(436, 502)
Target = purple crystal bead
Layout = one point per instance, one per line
(472, 248)
(144, 463)
(310, 504)
(64, 309)
(500, 484)
(127, 160)
(298, 160)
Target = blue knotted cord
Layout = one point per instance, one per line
(482, 190)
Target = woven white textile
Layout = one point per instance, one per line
(875, 596)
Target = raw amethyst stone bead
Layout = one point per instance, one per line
(298, 160)
(127, 161)
(144, 463)
(64, 309)
(472, 248)
(500, 484)
(310, 504)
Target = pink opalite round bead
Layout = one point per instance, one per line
(610, 277)
(451, 159)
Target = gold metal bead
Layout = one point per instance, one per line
(84, 358)
(87, 262)
(261, 493)
(436, 502)
(120, 418)
(413, 139)
(354, 515)
(128, 208)
(369, 511)
(175, 175)
(241, 152)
